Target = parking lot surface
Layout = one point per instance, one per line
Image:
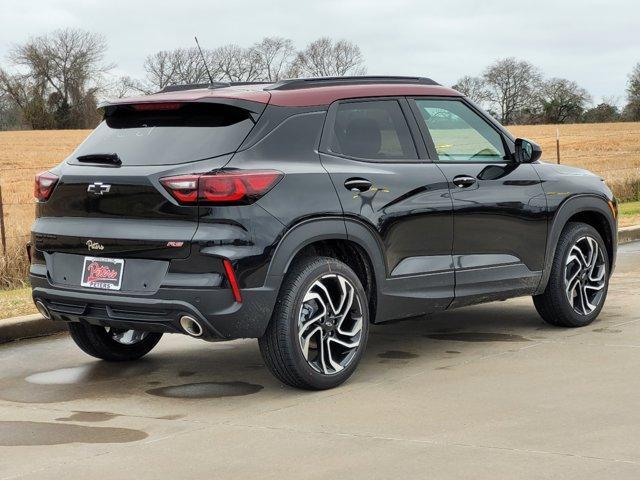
(482, 392)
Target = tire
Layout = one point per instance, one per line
(311, 283)
(555, 305)
(100, 343)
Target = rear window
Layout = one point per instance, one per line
(177, 134)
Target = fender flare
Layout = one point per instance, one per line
(316, 229)
(570, 207)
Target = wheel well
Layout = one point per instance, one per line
(598, 221)
(353, 255)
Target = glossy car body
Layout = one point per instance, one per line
(419, 241)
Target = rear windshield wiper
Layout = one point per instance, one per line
(102, 158)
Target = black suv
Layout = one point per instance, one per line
(300, 212)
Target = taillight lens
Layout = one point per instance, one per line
(222, 188)
(44, 185)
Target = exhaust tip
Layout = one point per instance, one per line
(191, 326)
(42, 308)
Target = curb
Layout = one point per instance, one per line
(28, 326)
(629, 234)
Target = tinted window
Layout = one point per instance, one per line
(194, 131)
(460, 134)
(372, 130)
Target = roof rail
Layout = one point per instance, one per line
(193, 86)
(298, 83)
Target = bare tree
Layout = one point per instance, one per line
(236, 64)
(275, 56)
(512, 84)
(227, 63)
(632, 109)
(326, 58)
(562, 100)
(170, 67)
(473, 88)
(10, 115)
(57, 77)
(161, 68)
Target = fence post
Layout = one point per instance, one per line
(2, 231)
(558, 145)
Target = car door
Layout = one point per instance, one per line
(385, 181)
(499, 205)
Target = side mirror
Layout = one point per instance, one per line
(527, 151)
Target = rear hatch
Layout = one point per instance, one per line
(108, 200)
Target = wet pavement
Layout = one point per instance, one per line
(483, 392)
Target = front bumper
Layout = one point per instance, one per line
(220, 316)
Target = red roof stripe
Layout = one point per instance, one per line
(303, 97)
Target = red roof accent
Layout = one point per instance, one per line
(248, 92)
(306, 97)
(303, 97)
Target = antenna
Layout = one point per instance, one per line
(206, 67)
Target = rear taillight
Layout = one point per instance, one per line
(45, 183)
(222, 188)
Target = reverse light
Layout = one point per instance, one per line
(235, 187)
(44, 185)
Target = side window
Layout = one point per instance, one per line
(375, 130)
(460, 134)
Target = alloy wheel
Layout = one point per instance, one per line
(330, 324)
(585, 275)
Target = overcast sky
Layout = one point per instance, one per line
(595, 43)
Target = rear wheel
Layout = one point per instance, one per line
(579, 279)
(113, 344)
(319, 327)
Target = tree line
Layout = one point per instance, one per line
(516, 92)
(54, 81)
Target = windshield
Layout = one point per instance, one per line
(172, 134)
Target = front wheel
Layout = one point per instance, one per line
(579, 278)
(113, 344)
(319, 326)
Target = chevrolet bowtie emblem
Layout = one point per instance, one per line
(98, 188)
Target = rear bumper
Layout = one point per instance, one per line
(220, 316)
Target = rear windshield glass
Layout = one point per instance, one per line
(194, 131)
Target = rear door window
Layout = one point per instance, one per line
(170, 134)
(372, 130)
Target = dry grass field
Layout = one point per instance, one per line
(611, 150)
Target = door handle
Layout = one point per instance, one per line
(464, 181)
(357, 185)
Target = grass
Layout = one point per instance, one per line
(16, 302)
(629, 214)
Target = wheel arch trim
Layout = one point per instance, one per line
(570, 207)
(317, 229)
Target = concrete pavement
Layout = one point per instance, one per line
(483, 392)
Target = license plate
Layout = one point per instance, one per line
(102, 273)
